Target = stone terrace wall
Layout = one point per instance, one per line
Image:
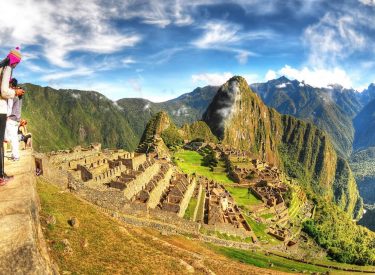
(228, 229)
(107, 175)
(156, 193)
(187, 196)
(139, 183)
(111, 198)
(51, 172)
(135, 162)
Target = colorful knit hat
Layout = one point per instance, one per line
(14, 56)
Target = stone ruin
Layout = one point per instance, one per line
(222, 212)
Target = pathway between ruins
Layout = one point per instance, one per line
(22, 247)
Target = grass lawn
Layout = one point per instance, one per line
(268, 216)
(242, 197)
(191, 162)
(295, 205)
(260, 230)
(189, 213)
(261, 260)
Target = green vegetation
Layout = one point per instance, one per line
(243, 197)
(262, 260)
(189, 213)
(198, 130)
(363, 166)
(209, 158)
(309, 104)
(190, 162)
(61, 119)
(344, 240)
(172, 137)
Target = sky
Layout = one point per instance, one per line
(159, 50)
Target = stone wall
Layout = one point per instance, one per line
(135, 162)
(139, 183)
(228, 229)
(155, 194)
(200, 200)
(187, 196)
(51, 172)
(107, 176)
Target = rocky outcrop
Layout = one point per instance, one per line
(239, 118)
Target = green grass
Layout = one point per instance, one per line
(189, 213)
(265, 261)
(190, 162)
(201, 206)
(268, 216)
(242, 197)
(260, 230)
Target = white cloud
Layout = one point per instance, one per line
(368, 2)
(59, 29)
(214, 79)
(281, 86)
(242, 57)
(218, 34)
(128, 61)
(315, 77)
(228, 37)
(67, 74)
(333, 38)
(270, 75)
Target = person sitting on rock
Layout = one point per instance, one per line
(6, 69)
(24, 135)
(14, 117)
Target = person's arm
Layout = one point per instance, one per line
(6, 90)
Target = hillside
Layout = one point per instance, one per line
(364, 124)
(161, 132)
(240, 118)
(186, 108)
(330, 109)
(59, 119)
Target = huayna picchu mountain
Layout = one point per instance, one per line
(239, 118)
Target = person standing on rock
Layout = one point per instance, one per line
(6, 69)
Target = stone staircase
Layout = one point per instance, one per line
(22, 246)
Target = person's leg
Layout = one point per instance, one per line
(13, 136)
(3, 121)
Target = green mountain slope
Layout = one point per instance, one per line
(60, 119)
(330, 109)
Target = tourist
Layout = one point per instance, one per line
(14, 117)
(6, 69)
(25, 136)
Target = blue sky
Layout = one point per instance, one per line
(161, 49)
